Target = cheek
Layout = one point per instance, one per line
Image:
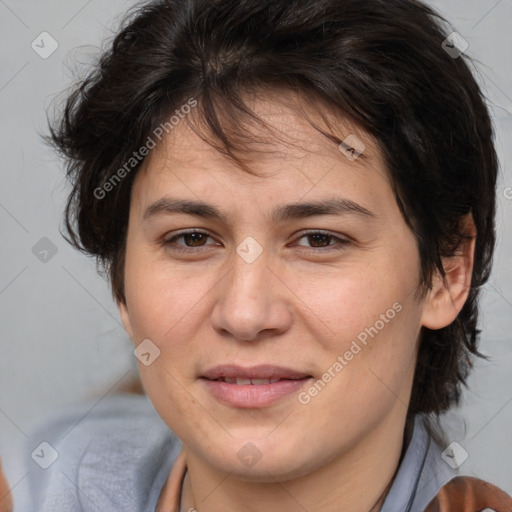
(355, 301)
(161, 307)
(160, 300)
(368, 372)
(369, 324)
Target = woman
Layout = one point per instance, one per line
(294, 201)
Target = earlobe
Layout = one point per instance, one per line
(447, 296)
(125, 318)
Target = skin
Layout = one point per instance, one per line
(297, 305)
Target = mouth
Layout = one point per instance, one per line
(240, 381)
(260, 374)
(253, 387)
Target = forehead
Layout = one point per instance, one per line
(287, 154)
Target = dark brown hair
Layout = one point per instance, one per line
(379, 63)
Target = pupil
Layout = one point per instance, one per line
(196, 237)
(318, 239)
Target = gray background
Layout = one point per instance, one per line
(61, 339)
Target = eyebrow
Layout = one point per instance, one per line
(334, 206)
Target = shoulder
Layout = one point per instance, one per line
(468, 494)
(112, 454)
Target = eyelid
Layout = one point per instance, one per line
(341, 240)
(339, 236)
(168, 240)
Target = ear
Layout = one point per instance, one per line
(125, 318)
(447, 296)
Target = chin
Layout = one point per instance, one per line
(261, 460)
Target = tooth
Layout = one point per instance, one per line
(230, 380)
(243, 381)
(273, 380)
(259, 382)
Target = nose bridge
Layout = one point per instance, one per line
(248, 298)
(247, 285)
(248, 272)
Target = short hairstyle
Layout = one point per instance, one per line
(383, 65)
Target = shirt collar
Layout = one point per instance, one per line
(420, 476)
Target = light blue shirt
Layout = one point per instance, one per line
(116, 456)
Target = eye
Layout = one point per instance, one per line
(192, 238)
(321, 240)
(195, 241)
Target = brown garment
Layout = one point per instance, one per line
(5, 493)
(468, 494)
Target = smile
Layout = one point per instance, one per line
(247, 393)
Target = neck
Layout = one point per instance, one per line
(357, 480)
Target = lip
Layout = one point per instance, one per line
(262, 371)
(247, 396)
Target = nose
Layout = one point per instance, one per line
(251, 301)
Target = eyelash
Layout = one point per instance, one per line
(170, 242)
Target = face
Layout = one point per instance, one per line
(327, 292)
